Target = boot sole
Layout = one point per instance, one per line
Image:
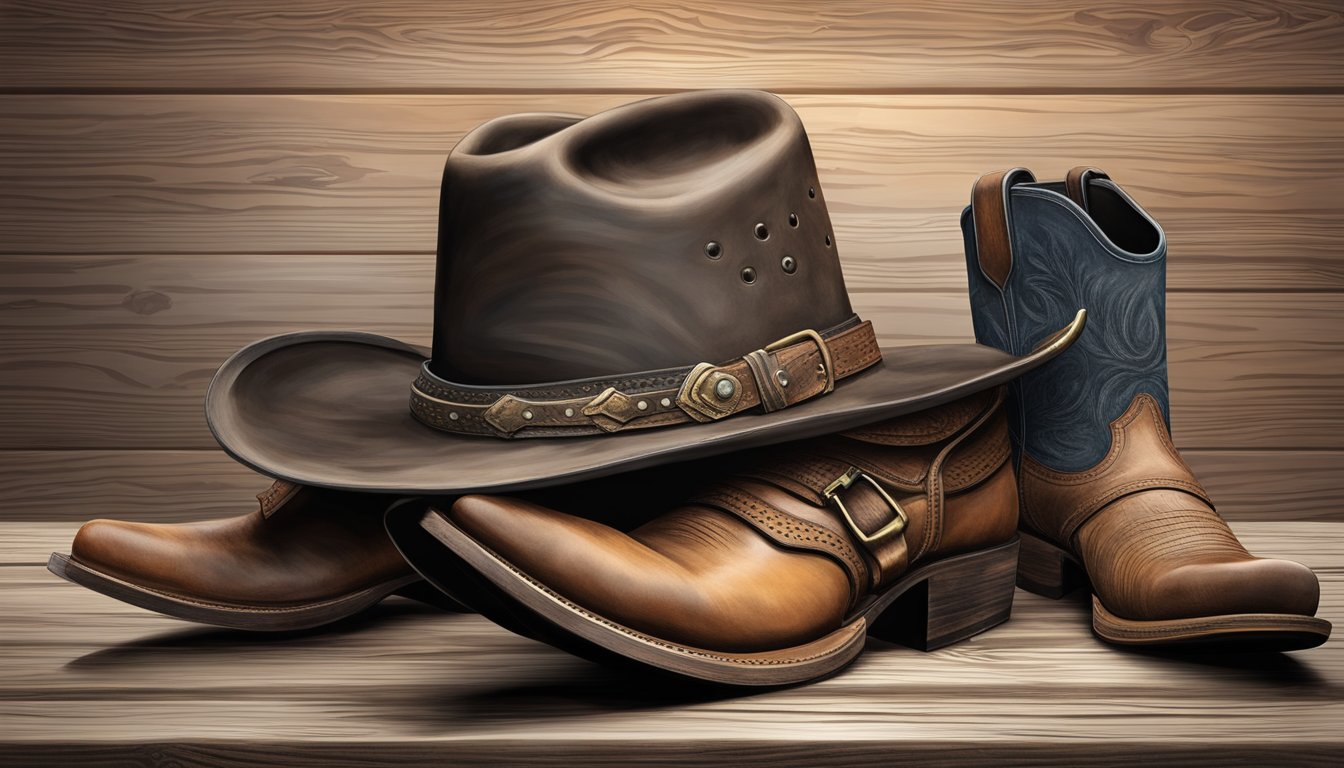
(1050, 571)
(935, 605)
(286, 618)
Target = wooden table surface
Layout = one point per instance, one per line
(87, 680)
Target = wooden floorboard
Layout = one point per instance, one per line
(1246, 186)
(182, 486)
(92, 680)
(559, 45)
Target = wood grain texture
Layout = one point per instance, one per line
(1247, 186)
(594, 44)
(182, 486)
(91, 680)
(116, 352)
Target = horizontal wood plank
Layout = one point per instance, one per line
(182, 486)
(90, 679)
(1247, 186)
(511, 45)
(116, 352)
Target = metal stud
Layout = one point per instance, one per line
(789, 265)
(713, 249)
(569, 412)
(666, 401)
(453, 416)
(725, 388)
(642, 405)
(527, 415)
(782, 376)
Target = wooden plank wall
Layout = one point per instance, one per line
(177, 181)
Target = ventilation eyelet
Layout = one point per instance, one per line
(761, 232)
(828, 241)
(713, 249)
(811, 191)
(789, 265)
(748, 275)
(793, 219)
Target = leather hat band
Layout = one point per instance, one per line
(789, 371)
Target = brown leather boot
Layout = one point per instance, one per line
(774, 574)
(305, 558)
(1106, 498)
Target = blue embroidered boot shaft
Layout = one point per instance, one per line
(1111, 262)
(1105, 497)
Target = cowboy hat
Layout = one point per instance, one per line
(655, 283)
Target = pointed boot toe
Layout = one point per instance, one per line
(117, 547)
(301, 560)
(1250, 585)
(696, 577)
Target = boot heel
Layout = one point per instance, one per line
(1046, 569)
(961, 597)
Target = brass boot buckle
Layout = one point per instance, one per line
(843, 482)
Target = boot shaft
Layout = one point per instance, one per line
(1100, 251)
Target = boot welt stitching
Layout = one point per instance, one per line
(685, 650)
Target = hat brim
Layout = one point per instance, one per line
(331, 409)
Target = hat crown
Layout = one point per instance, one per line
(659, 234)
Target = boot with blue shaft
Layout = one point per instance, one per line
(1106, 500)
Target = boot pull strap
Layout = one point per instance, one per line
(278, 495)
(989, 211)
(1076, 181)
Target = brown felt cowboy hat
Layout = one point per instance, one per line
(654, 283)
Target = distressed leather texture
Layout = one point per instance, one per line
(761, 559)
(1099, 476)
(597, 247)
(301, 545)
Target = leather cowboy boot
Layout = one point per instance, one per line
(306, 557)
(774, 574)
(1105, 496)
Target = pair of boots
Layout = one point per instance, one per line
(781, 561)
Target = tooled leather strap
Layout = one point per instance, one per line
(1076, 181)
(993, 222)
(833, 481)
(787, 372)
(1142, 457)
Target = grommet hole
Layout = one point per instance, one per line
(761, 232)
(748, 275)
(811, 191)
(828, 241)
(789, 265)
(713, 249)
(793, 219)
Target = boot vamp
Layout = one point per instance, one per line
(319, 551)
(694, 576)
(1164, 554)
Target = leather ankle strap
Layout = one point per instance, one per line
(865, 497)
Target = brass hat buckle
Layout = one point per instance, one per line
(827, 368)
